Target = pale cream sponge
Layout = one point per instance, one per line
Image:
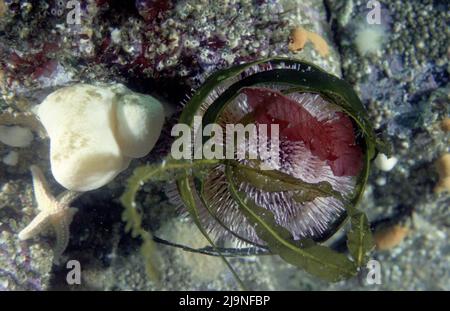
(95, 131)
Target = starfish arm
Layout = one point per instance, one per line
(61, 224)
(44, 198)
(37, 225)
(54, 211)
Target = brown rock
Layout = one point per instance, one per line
(443, 169)
(389, 237)
(299, 37)
(445, 125)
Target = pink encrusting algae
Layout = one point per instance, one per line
(331, 139)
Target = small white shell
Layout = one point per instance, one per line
(384, 163)
(15, 136)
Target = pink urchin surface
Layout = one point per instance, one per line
(317, 144)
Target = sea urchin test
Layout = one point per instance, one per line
(317, 144)
(95, 131)
(288, 208)
(325, 142)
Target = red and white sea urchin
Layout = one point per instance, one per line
(317, 144)
(301, 193)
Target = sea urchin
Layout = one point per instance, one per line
(319, 144)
